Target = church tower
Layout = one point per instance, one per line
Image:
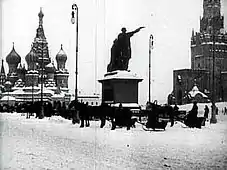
(62, 73)
(13, 59)
(32, 74)
(209, 46)
(40, 45)
(39, 54)
(2, 75)
(211, 16)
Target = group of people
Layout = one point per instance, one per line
(49, 109)
(118, 116)
(80, 112)
(172, 113)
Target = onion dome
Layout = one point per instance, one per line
(31, 56)
(13, 57)
(61, 56)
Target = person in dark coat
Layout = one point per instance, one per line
(75, 110)
(206, 109)
(192, 116)
(173, 113)
(63, 110)
(87, 114)
(82, 112)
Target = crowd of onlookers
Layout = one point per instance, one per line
(49, 109)
(80, 112)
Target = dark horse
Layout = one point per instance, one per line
(117, 116)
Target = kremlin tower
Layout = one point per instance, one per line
(208, 59)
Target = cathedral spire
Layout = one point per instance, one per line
(40, 32)
(41, 16)
(2, 69)
(211, 8)
(211, 16)
(40, 45)
(2, 75)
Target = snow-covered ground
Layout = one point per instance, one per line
(54, 143)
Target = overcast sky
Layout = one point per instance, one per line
(100, 21)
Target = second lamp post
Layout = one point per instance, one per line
(151, 42)
(75, 9)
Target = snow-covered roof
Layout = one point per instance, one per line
(8, 98)
(130, 105)
(19, 91)
(32, 71)
(30, 88)
(46, 91)
(196, 91)
(58, 95)
(121, 74)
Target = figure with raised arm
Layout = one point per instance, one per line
(125, 45)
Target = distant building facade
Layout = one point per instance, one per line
(91, 100)
(208, 58)
(26, 82)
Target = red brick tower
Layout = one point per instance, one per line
(209, 46)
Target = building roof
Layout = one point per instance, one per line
(50, 68)
(196, 91)
(18, 91)
(8, 98)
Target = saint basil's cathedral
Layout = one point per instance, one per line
(24, 84)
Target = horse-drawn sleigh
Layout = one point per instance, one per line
(157, 116)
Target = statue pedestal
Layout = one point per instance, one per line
(120, 87)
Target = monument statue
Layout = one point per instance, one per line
(121, 50)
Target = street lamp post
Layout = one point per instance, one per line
(42, 109)
(149, 82)
(32, 91)
(75, 9)
(213, 107)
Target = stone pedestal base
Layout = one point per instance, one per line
(120, 87)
